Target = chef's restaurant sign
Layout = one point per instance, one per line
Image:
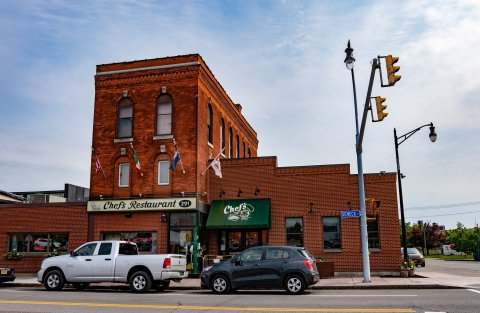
(141, 205)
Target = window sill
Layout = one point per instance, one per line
(332, 250)
(119, 140)
(374, 250)
(160, 137)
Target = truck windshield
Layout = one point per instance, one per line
(128, 249)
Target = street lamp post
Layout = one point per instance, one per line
(349, 62)
(398, 141)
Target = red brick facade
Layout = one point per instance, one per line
(331, 189)
(192, 88)
(69, 218)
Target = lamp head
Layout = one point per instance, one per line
(349, 59)
(433, 134)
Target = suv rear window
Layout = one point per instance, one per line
(306, 253)
(127, 249)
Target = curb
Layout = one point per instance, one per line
(354, 287)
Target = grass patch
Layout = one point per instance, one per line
(451, 257)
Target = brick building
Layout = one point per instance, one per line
(142, 108)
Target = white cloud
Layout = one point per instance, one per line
(283, 61)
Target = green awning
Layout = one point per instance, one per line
(239, 214)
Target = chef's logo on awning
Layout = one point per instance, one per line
(240, 212)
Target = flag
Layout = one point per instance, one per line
(216, 166)
(176, 158)
(138, 167)
(98, 165)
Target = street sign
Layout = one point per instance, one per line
(350, 214)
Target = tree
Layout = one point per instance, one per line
(464, 239)
(434, 236)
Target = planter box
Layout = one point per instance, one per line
(326, 269)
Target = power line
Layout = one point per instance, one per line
(443, 206)
(443, 214)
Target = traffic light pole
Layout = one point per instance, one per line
(361, 183)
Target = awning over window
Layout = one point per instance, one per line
(239, 214)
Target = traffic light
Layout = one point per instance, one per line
(380, 107)
(392, 69)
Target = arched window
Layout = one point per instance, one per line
(210, 124)
(230, 144)
(244, 154)
(222, 136)
(164, 115)
(249, 154)
(125, 118)
(237, 147)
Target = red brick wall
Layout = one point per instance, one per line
(191, 88)
(68, 218)
(329, 188)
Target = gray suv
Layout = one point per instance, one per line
(291, 268)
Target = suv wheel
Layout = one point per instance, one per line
(221, 284)
(294, 284)
(140, 282)
(54, 280)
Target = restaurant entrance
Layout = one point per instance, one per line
(232, 241)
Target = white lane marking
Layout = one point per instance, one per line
(474, 290)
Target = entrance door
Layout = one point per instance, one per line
(232, 242)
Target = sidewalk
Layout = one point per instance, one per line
(428, 280)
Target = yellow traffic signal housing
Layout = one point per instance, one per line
(392, 69)
(380, 107)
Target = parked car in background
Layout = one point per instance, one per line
(291, 268)
(112, 261)
(41, 244)
(7, 274)
(416, 256)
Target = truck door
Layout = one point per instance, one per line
(80, 265)
(103, 262)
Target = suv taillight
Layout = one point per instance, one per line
(308, 264)
(166, 263)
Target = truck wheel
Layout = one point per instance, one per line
(54, 280)
(140, 282)
(294, 284)
(80, 286)
(221, 284)
(162, 285)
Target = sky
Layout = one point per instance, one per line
(282, 60)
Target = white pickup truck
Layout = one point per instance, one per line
(112, 261)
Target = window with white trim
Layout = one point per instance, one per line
(164, 115)
(125, 118)
(210, 124)
(163, 172)
(123, 174)
(222, 136)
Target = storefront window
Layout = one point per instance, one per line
(331, 233)
(294, 230)
(42, 243)
(373, 232)
(146, 241)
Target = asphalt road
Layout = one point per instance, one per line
(461, 268)
(117, 301)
